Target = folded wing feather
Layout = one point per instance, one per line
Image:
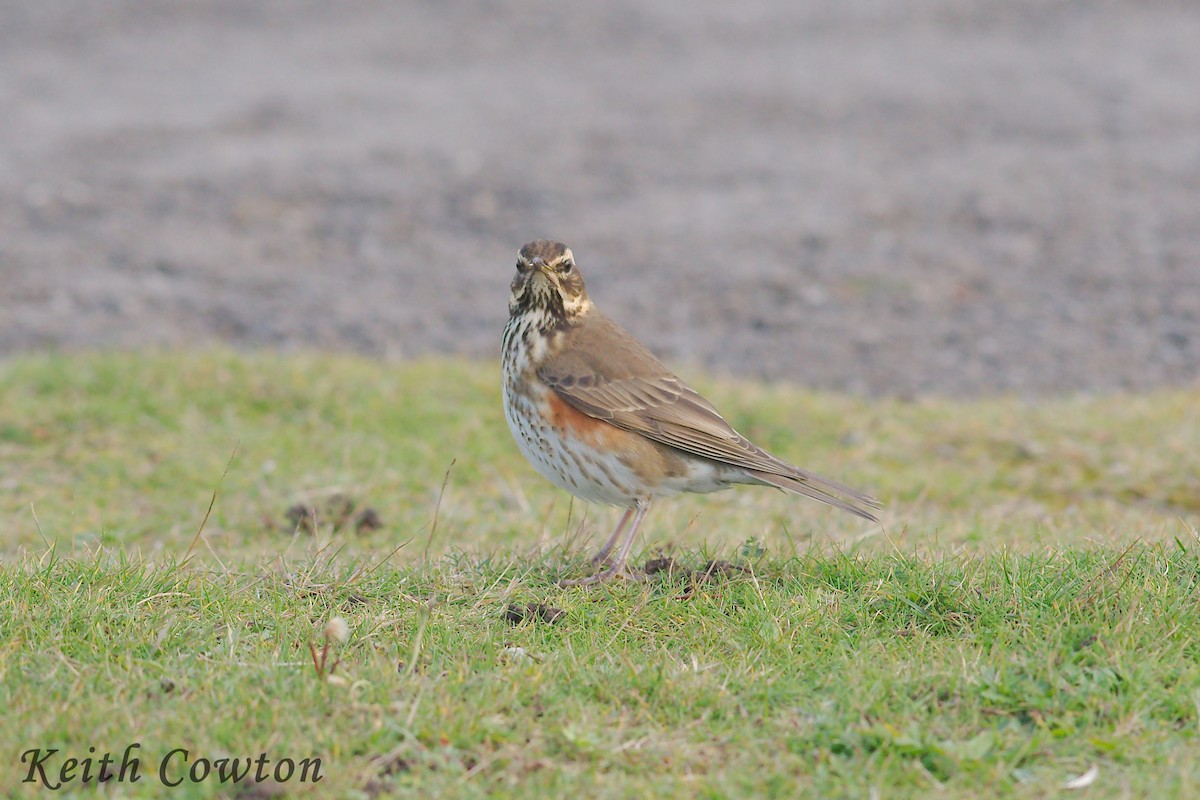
(660, 406)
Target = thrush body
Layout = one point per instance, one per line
(599, 415)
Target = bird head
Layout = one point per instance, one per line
(547, 280)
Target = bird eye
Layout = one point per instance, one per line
(567, 265)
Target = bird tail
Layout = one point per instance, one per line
(822, 489)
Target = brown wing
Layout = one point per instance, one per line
(607, 374)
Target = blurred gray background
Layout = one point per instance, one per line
(881, 197)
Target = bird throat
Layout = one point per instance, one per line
(531, 335)
(536, 330)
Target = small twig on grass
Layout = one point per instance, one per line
(364, 572)
(38, 525)
(212, 502)
(1182, 521)
(1111, 569)
(419, 639)
(575, 539)
(437, 508)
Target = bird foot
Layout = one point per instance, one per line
(612, 572)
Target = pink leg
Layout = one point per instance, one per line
(622, 556)
(612, 540)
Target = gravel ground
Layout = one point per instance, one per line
(880, 197)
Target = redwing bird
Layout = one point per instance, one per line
(598, 415)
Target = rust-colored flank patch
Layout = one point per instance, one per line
(565, 417)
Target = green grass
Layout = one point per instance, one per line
(1029, 610)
